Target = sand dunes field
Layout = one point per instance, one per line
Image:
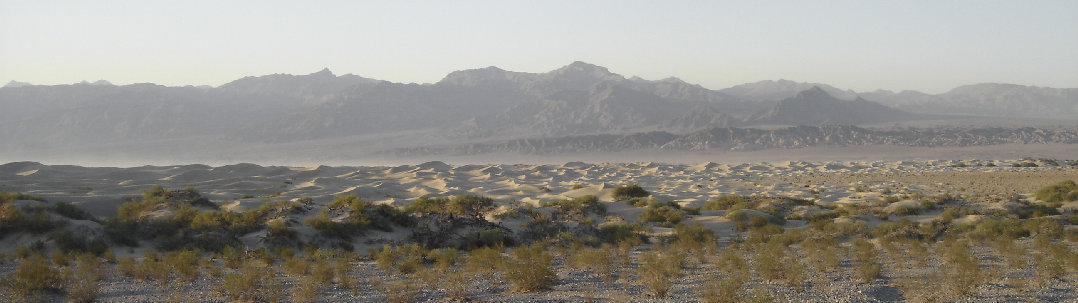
(881, 190)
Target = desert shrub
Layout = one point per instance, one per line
(386, 258)
(1044, 226)
(626, 192)
(460, 205)
(696, 238)
(745, 220)
(470, 205)
(404, 258)
(356, 208)
(251, 283)
(72, 212)
(723, 289)
(306, 290)
(6, 197)
(1059, 192)
(425, 205)
(774, 263)
(725, 202)
(1047, 268)
(640, 202)
(577, 208)
(322, 270)
(658, 269)
(1030, 210)
(33, 277)
(485, 261)
(822, 253)
(903, 228)
(489, 237)
(399, 291)
(1063, 254)
(865, 259)
(618, 232)
(127, 267)
(992, 228)
(155, 268)
(279, 229)
(965, 272)
(531, 269)
(36, 220)
(135, 209)
(662, 212)
(906, 211)
(326, 227)
(599, 260)
(184, 263)
(456, 284)
(83, 280)
(1014, 254)
(296, 266)
(444, 258)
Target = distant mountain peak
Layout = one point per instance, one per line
(13, 84)
(324, 72)
(814, 106)
(584, 67)
(97, 83)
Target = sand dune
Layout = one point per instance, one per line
(100, 189)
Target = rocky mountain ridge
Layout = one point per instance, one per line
(468, 107)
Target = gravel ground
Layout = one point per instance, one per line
(580, 285)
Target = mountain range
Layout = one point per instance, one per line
(478, 107)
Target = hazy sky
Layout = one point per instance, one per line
(930, 46)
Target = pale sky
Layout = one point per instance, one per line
(931, 46)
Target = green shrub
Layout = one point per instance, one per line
(135, 209)
(399, 291)
(965, 272)
(577, 208)
(485, 261)
(598, 260)
(426, 205)
(33, 277)
(639, 202)
(306, 290)
(405, 259)
(993, 228)
(626, 192)
(663, 213)
(695, 238)
(618, 232)
(83, 281)
(658, 269)
(490, 237)
(1030, 210)
(866, 260)
(327, 227)
(251, 284)
(184, 263)
(36, 220)
(723, 290)
(531, 269)
(72, 212)
(1059, 192)
(725, 202)
(470, 205)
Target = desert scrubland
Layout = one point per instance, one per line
(839, 231)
